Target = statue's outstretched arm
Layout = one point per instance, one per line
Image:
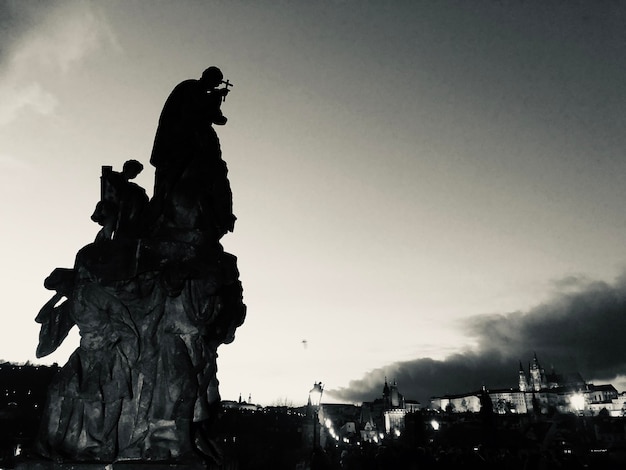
(56, 322)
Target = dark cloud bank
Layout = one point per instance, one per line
(582, 328)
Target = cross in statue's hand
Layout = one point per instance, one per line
(226, 84)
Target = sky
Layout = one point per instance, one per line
(425, 191)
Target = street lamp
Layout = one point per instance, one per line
(315, 398)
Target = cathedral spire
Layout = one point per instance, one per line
(522, 381)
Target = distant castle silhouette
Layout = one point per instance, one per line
(386, 414)
(542, 393)
(537, 379)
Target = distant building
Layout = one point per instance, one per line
(386, 416)
(25, 385)
(539, 392)
(537, 379)
(23, 391)
(458, 403)
(241, 405)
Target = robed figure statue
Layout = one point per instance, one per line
(153, 297)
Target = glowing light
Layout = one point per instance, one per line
(435, 424)
(578, 401)
(315, 395)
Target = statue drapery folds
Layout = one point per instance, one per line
(153, 297)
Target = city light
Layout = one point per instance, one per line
(578, 401)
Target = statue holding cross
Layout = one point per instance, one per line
(187, 157)
(153, 298)
(226, 84)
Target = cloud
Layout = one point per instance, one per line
(579, 330)
(41, 44)
(16, 99)
(67, 35)
(16, 19)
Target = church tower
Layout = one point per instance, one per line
(386, 398)
(395, 397)
(394, 410)
(537, 375)
(523, 383)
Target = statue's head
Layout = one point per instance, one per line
(212, 77)
(132, 168)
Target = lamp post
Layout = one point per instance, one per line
(315, 398)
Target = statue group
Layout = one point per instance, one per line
(153, 298)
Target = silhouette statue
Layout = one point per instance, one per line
(55, 318)
(122, 203)
(191, 188)
(153, 297)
